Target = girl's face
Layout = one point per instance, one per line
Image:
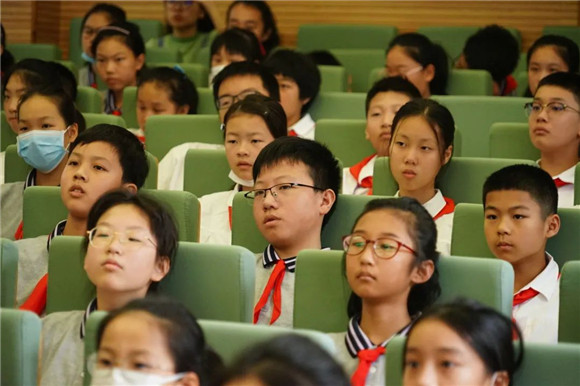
(14, 89)
(249, 18)
(382, 110)
(154, 99)
(544, 61)
(117, 65)
(398, 63)
(92, 25)
(182, 14)
(41, 113)
(246, 136)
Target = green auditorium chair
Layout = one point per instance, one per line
(206, 102)
(320, 304)
(7, 136)
(461, 179)
(468, 238)
(74, 42)
(333, 78)
(338, 105)
(451, 38)
(162, 55)
(129, 112)
(9, 273)
(330, 36)
(549, 364)
(198, 73)
(522, 64)
(394, 361)
(206, 171)
(345, 138)
(89, 100)
(511, 140)
(167, 131)
(577, 186)
(569, 316)
(92, 119)
(214, 281)
(359, 63)
(522, 80)
(20, 331)
(41, 51)
(149, 28)
(572, 32)
(376, 74)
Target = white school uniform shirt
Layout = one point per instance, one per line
(215, 217)
(537, 318)
(11, 204)
(566, 192)
(2, 161)
(351, 183)
(304, 128)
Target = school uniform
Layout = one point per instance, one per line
(565, 184)
(358, 179)
(304, 128)
(11, 206)
(216, 217)
(111, 105)
(2, 161)
(87, 76)
(188, 48)
(536, 305)
(62, 357)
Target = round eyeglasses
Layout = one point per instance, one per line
(552, 108)
(279, 190)
(103, 236)
(384, 247)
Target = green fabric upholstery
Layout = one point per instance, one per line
(572, 32)
(522, 65)
(206, 171)
(359, 63)
(167, 131)
(394, 361)
(522, 80)
(333, 78)
(468, 238)
(474, 115)
(469, 82)
(74, 41)
(129, 111)
(198, 73)
(338, 105)
(8, 273)
(91, 332)
(345, 138)
(549, 364)
(504, 135)
(149, 29)
(89, 100)
(577, 186)
(162, 54)
(451, 38)
(329, 36)
(206, 103)
(461, 179)
(569, 316)
(20, 332)
(93, 119)
(7, 136)
(41, 51)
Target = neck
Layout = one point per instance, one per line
(527, 269)
(292, 121)
(52, 178)
(112, 300)
(75, 226)
(118, 98)
(307, 242)
(559, 160)
(381, 320)
(422, 195)
(186, 32)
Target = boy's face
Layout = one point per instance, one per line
(290, 99)
(382, 110)
(236, 88)
(514, 227)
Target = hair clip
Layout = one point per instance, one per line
(223, 127)
(115, 28)
(180, 69)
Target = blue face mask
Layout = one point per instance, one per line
(42, 149)
(87, 58)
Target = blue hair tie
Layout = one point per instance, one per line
(178, 68)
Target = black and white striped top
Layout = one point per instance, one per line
(90, 308)
(356, 340)
(270, 257)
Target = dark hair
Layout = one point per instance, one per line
(527, 178)
(324, 58)
(114, 13)
(267, 18)
(185, 339)
(127, 32)
(264, 107)
(66, 79)
(237, 41)
(419, 48)
(205, 24)
(7, 59)
(421, 228)
(486, 331)
(394, 84)
(247, 69)
(301, 69)
(131, 153)
(181, 89)
(565, 48)
(323, 168)
(288, 360)
(494, 49)
(569, 81)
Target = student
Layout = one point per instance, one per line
(423, 63)
(101, 159)
(7, 59)
(290, 360)
(461, 343)
(257, 17)
(153, 340)
(190, 29)
(130, 246)
(119, 52)
(495, 50)
(164, 91)
(299, 81)
(549, 54)
(421, 144)
(393, 280)
(383, 101)
(554, 122)
(99, 16)
(296, 184)
(520, 208)
(249, 125)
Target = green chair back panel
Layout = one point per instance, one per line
(74, 41)
(89, 100)
(468, 238)
(345, 138)
(330, 36)
(572, 32)
(522, 80)
(206, 103)
(167, 131)
(338, 105)
(129, 112)
(149, 29)
(359, 63)
(92, 119)
(469, 82)
(206, 171)
(48, 52)
(157, 55)
(7, 136)
(8, 273)
(503, 136)
(451, 38)
(577, 186)
(333, 78)
(394, 361)
(198, 73)
(549, 364)
(20, 332)
(91, 331)
(69, 64)
(474, 115)
(203, 56)
(461, 179)
(522, 65)
(375, 75)
(569, 316)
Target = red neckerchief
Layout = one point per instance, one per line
(366, 182)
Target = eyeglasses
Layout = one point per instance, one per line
(226, 101)
(552, 108)
(406, 74)
(277, 191)
(175, 3)
(384, 247)
(89, 31)
(103, 236)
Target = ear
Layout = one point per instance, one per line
(182, 109)
(72, 133)
(162, 266)
(553, 225)
(429, 73)
(447, 155)
(139, 61)
(328, 199)
(501, 379)
(461, 63)
(130, 187)
(423, 272)
(367, 136)
(305, 100)
(190, 379)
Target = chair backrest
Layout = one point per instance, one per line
(469, 82)
(206, 103)
(451, 38)
(345, 138)
(359, 63)
(74, 41)
(129, 112)
(7, 136)
(503, 137)
(522, 65)
(394, 361)
(20, 332)
(461, 179)
(569, 315)
(149, 28)
(89, 100)
(333, 78)
(198, 73)
(572, 32)
(548, 364)
(577, 186)
(329, 36)
(522, 80)
(8, 273)
(156, 54)
(206, 171)
(93, 119)
(468, 238)
(167, 131)
(48, 52)
(338, 105)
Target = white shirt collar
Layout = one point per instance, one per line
(566, 176)
(547, 280)
(434, 205)
(304, 128)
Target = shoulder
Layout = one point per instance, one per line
(213, 198)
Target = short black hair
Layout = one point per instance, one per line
(323, 168)
(324, 58)
(131, 153)
(526, 178)
(127, 32)
(247, 69)
(290, 360)
(181, 89)
(301, 69)
(267, 18)
(66, 79)
(566, 49)
(394, 84)
(115, 14)
(494, 49)
(237, 41)
(264, 107)
(567, 80)
(423, 231)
